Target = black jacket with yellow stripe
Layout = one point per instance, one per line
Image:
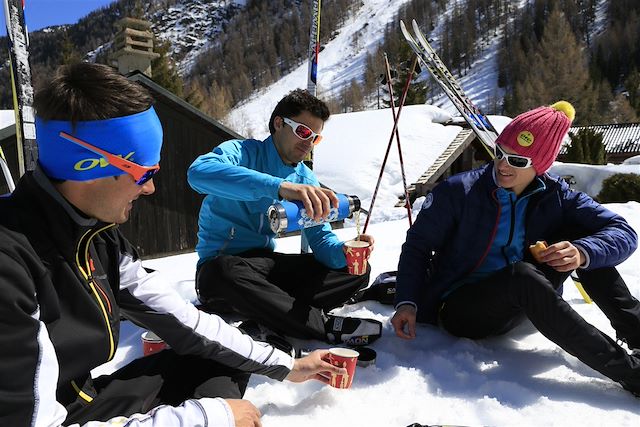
(65, 281)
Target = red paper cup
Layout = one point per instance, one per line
(357, 254)
(151, 343)
(344, 358)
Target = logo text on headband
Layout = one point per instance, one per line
(90, 163)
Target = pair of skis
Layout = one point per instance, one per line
(427, 55)
(22, 89)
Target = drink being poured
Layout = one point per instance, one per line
(286, 216)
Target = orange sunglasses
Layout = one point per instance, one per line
(141, 174)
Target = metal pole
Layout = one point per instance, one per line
(396, 119)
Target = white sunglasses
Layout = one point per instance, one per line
(303, 131)
(518, 162)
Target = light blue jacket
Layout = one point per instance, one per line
(241, 179)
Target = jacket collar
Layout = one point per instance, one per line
(47, 186)
(534, 186)
(50, 221)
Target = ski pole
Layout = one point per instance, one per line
(386, 155)
(393, 111)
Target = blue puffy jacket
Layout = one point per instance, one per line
(241, 179)
(457, 224)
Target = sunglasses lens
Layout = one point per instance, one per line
(147, 176)
(303, 132)
(317, 139)
(513, 160)
(518, 162)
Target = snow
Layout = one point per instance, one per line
(517, 379)
(7, 118)
(589, 178)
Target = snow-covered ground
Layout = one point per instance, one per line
(589, 178)
(518, 379)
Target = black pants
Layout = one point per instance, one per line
(498, 303)
(164, 378)
(285, 292)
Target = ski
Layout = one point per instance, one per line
(478, 122)
(314, 47)
(450, 79)
(312, 83)
(476, 119)
(21, 83)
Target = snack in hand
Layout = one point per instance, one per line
(537, 248)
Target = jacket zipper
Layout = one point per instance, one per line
(511, 228)
(493, 233)
(81, 393)
(93, 284)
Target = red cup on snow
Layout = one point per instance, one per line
(151, 343)
(344, 358)
(357, 254)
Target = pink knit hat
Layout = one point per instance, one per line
(538, 134)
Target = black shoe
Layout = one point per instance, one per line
(383, 290)
(352, 331)
(261, 333)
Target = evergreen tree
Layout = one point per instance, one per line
(164, 70)
(417, 91)
(633, 88)
(586, 147)
(557, 70)
(69, 54)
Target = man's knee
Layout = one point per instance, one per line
(527, 281)
(215, 275)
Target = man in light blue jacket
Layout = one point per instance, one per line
(238, 269)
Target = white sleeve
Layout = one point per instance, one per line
(150, 301)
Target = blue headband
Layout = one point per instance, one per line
(137, 138)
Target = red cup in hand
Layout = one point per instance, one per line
(343, 358)
(357, 252)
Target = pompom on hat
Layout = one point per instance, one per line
(538, 134)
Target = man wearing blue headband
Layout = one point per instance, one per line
(238, 268)
(67, 276)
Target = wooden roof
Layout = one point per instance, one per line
(618, 138)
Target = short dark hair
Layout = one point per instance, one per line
(84, 91)
(296, 102)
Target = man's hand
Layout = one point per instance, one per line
(405, 316)
(244, 413)
(316, 200)
(365, 238)
(311, 366)
(562, 256)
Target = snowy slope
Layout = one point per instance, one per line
(341, 60)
